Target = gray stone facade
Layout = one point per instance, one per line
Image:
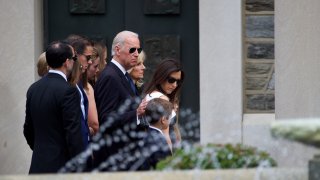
(259, 57)
(259, 5)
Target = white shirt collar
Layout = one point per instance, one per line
(58, 72)
(152, 127)
(119, 66)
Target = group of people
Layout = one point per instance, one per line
(80, 97)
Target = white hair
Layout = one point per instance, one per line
(120, 39)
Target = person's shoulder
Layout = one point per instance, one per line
(154, 134)
(51, 85)
(89, 90)
(106, 78)
(108, 72)
(110, 67)
(69, 91)
(58, 83)
(42, 81)
(150, 131)
(34, 86)
(89, 87)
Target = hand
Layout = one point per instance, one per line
(142, 107)
(91, 131)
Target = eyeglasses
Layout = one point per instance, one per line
(74, 58)
(172, 80)
(132, 50)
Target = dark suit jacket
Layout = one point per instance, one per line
(111, 91)
(52, 125)
(156, 146)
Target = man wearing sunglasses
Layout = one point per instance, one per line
(113, 88)
(83, 47)
(52, 125)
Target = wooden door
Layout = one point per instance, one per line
(167, 28)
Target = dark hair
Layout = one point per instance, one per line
(157, 108)
(72, 37)
(57, 53)
(74, 77)
(161, 74)
(78, 42)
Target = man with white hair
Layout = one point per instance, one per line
(112, 89)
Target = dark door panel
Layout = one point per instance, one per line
(166, 28)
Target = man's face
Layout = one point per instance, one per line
(85, 58)
(128, 59)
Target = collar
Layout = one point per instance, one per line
(152, 127)
(58, 72)
(119, 66)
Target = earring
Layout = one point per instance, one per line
(81, 66)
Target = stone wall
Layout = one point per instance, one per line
(21, 36)
(259, 56)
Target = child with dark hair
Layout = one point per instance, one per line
(155, 147)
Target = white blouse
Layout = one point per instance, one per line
(157, 94)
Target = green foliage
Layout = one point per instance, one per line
(213, 156)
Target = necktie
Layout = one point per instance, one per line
(133, 87)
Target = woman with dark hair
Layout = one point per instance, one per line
(166, 84)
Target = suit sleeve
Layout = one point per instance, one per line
(108, 103)
(71, 117)
(28, 130)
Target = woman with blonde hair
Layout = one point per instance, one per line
(42, 65)
(101, 50)
(137, 72)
